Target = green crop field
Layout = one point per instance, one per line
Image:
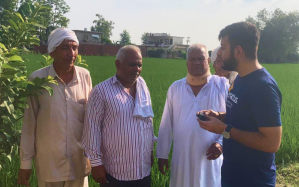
(159, 74)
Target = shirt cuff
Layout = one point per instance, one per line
(26, 164)
(220, 142)
(96, 162)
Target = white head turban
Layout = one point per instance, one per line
(58, 35)
(214, 55)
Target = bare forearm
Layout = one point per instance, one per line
(256, 140)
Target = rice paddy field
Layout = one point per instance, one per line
(159, 74)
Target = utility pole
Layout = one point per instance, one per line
(188, 40)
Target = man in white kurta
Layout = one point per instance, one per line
(190, 166)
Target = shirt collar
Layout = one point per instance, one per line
(115, 80)
(76, 77)
(208, 79)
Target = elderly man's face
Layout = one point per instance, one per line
(198, 62)
(217, 66)
(130, 67)
(65, 54)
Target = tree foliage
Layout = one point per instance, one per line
(51, 18)
(16, 36)
(54, 18)
(144, 38)
(104, 26)
(22, 27)
(279, 40)
(125, 38)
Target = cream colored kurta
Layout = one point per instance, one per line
(53, 127)
(189, 165)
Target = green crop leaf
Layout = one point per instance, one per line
(8, 130)
(9, 157)
(50, 90)
(3, 137)
(13, 24)
(19, 16)
(15, 58)
(36, 25)
(8, 66)
(9, 106)
(15, 51)
(3, 47)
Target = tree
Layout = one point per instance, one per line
(51, 19)
(125, 38)
(104, 26)
(55, 18)
(279, 35)
(9, 5)
(19, 33)
(144, 38)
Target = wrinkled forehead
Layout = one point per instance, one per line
(132, 55)
(198, 52)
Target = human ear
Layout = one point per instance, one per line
(117, 64)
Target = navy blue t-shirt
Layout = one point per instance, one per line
(254, 101)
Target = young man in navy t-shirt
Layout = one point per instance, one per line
(251, 125)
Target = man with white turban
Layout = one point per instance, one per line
(53, 125)
(216, 62)
(197, 154)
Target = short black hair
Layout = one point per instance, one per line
(244, 34)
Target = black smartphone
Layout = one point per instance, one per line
(201, 116)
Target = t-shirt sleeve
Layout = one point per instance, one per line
(266, 105)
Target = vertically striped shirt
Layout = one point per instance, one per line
(113, 137)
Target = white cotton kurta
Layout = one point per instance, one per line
(189, 165)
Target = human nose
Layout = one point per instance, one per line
(71, 52)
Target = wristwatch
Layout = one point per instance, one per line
(226, 132)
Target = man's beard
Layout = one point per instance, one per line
(230, 64)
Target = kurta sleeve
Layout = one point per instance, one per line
(220, 140)
(89, 82)
(94, 116)
(154, 138)
(27, 148)
(166, 129)
(224, 85)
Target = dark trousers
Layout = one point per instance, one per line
(145, 182)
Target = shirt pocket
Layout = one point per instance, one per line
(79, 111)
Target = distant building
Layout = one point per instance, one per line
(162, 39)
(89, 37)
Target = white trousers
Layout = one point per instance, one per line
(71, 183)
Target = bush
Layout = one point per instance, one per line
(156, 53)
(183, 55)
(294, 58)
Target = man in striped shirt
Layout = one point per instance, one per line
(118, 131)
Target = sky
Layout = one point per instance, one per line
(201, 20)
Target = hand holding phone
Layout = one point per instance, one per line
(201, 116)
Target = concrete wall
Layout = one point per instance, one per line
(82, 35)
(166, 40)
(91, 49)
(156, 39)
(178, 40)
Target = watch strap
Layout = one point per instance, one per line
(228, 128)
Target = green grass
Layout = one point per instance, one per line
(159, 74)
